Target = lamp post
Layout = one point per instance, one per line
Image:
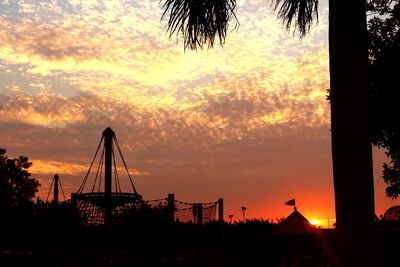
(244, 213)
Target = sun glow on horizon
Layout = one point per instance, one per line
(323, 223)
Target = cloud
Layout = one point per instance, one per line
(51, 167)
(198, 155)
(53, 44)
(249, 117)
(125, 40)
(200, 146)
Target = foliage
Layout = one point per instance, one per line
(384, 54)
(302, 12)
(199, 22)
(17, 188)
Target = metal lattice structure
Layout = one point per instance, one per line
(97, 207)
(195, 212)
(186, 212)
(92, 207)
(161, 203)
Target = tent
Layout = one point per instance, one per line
(295, 223)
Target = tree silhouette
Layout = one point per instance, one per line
(384, 50)
(17, 188)
(201, 22)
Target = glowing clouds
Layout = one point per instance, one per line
(188, 121)
(52, 167)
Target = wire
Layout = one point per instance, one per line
(98, 169)
(51, 186)
(156, 200)
(123, 160)
(118, 183)
(116, 180)
(101, 170)
(91, 164)
(62, 190)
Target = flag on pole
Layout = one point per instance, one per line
(291, 202)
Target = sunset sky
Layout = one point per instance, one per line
(248, 122)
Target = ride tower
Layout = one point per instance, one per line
(55, 185)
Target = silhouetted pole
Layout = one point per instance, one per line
(200, 213)
(194, 211)
(244, 213)
(220, 210)
(108, 138)
(221, 230)
(73, 228)
(171, 223)
(55, 196)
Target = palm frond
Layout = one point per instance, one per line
(301, 13)
(200, 22)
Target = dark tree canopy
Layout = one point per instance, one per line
(201, 22)
(384, 53)
(299, 14)
(17, 188)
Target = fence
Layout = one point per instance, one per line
(196, 214)
(186, 212)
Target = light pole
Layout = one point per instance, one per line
(244, 213)
(230, 216)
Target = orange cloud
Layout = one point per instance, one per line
(41, 167)
(201, 124)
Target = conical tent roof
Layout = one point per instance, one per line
(295, 223)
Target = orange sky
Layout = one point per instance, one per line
(248, 122)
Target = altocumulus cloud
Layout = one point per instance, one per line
(203, 144)
(199, 124)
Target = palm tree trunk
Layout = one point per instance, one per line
(351, 143)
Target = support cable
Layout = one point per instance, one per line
(115, 172)
(51, 186)
(98, 169)
(101, 170)
(123, 160)
(62, 190)
(117, 183)
(91, 164)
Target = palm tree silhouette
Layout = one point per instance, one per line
(202, 22)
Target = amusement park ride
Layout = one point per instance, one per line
(105, 204)
(107, 207)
